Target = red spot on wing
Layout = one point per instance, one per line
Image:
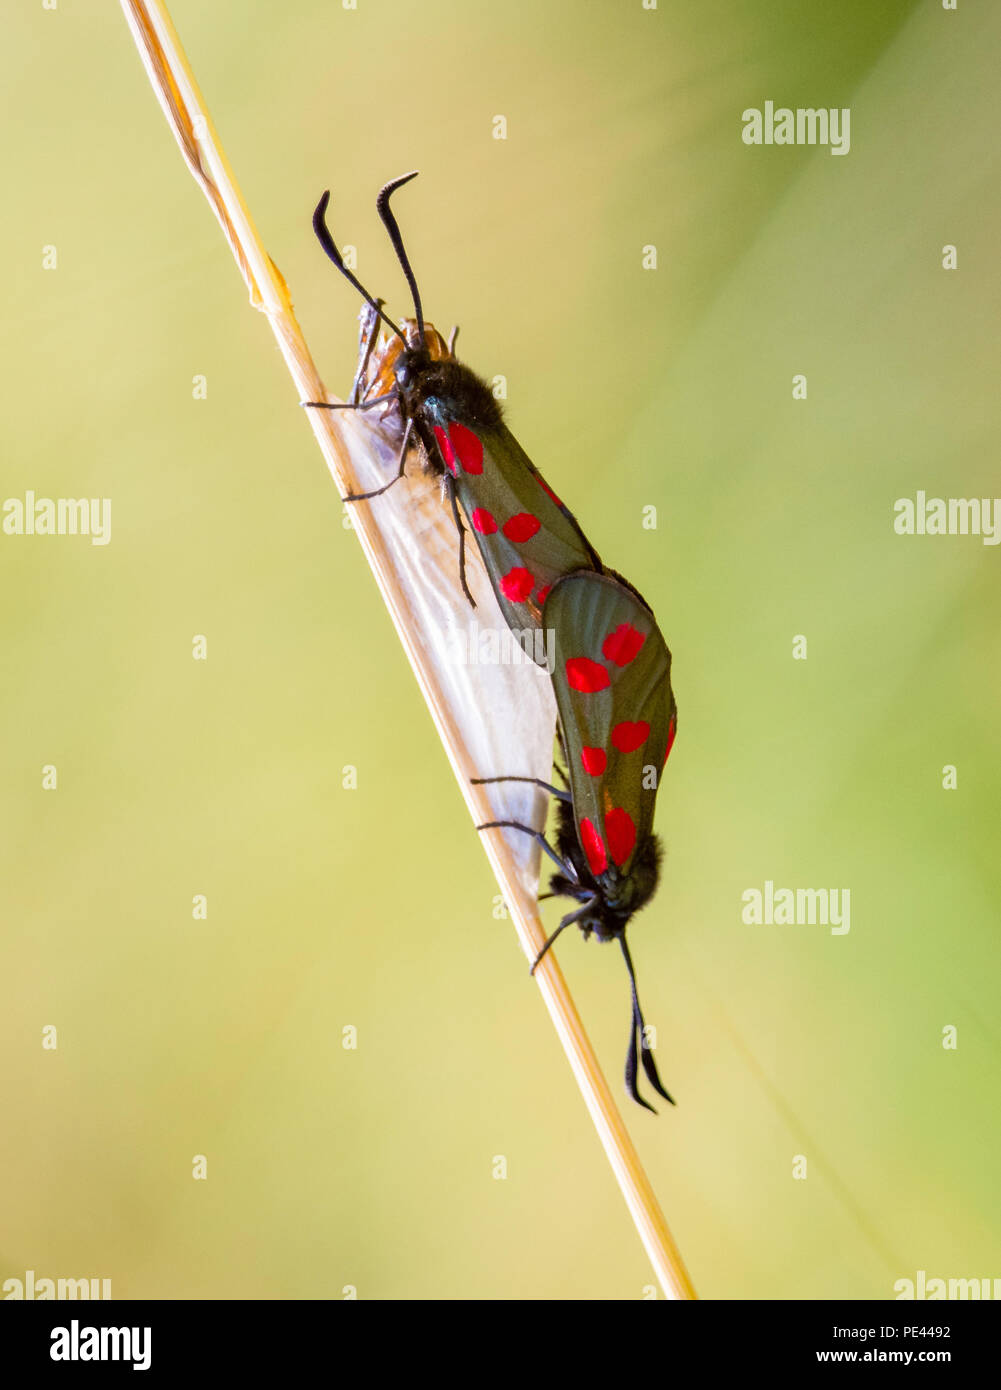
(445, 445)
(517, 584)
(521, 527)
(595, 760)
(672, 729)
(483, 521)
(627, 736)
(547, 489)
(468, 447)
(623, 645)
(586, 675)
(542, 595)
(621, 831)
(597, 859)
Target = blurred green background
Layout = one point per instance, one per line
(630, 387)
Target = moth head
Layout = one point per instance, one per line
(634, 890)
(593, 915)
(414, 358)
(613, 897)
(410, 366)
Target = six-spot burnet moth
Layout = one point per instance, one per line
(618, 718)
(617, 714)
(527, 537)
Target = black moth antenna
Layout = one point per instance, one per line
(327, 242)
(637, 1027)
(636, 1033)
(393, 228)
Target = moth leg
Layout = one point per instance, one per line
(364, 496)
(369, 334)
(451, 339)
(349, 405)
(535, 834)
(567, 920)
(553, 791)
(450, 489)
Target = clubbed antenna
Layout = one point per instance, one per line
(327, 242)
(393, 228)
(636, 1037)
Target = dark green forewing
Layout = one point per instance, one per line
(527, 537)
(612, 680)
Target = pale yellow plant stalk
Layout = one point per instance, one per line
(353, 447)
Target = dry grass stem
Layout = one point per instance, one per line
(481, 712)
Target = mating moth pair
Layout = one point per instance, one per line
(612, 672)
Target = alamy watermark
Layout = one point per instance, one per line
(948, 516)
(76, 1343)
(58, 516)
(921, 1287)
(30, 1288)
(491, 646)
(806, 125)
(798, 907)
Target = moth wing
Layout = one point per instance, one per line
(527, 537)
(612, 679)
